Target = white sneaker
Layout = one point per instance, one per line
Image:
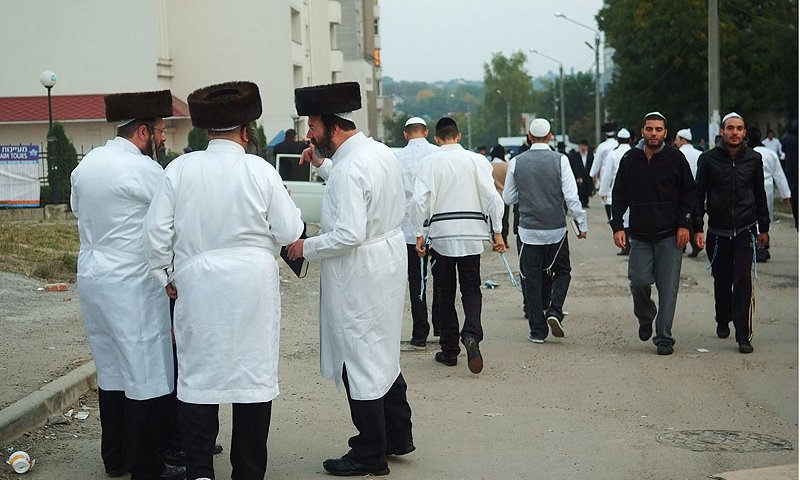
(555, 326)
(535, 340)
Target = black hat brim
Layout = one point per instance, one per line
(138, 105)
(327, 99)
(225, 105)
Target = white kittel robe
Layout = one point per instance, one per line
(224, 215)
(363, 266)
(125, 312)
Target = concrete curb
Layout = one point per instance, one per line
(33, 410)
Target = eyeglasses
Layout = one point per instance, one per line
(162, 131)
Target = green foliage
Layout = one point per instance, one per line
(197, 139)
(393, 130)
(578, 100)
(508, 93)
(661, 58)
(261, 139)
(62, 160)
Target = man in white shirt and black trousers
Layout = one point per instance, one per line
(541, 181)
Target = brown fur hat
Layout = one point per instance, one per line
(225, 105)
(138, 105)
(322, 99)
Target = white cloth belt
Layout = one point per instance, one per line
(381, 237)
(136, 257)
(220, 252)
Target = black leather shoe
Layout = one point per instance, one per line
(173, 473)
(745, 347)
(723, 330)
(116, 472)
(664, 349)
(645, 332)
(217, 449)
(178, 457)
(474, 358)
(349, 467)
(417, 343)
(448, 360)
(400, 449)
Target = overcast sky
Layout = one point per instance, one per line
(434, 40)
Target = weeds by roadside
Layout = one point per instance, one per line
(44, 250)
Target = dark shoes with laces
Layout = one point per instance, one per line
(348, 466)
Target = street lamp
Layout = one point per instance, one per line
(508, 113)
(48, 80)
(561, 82)
(596, 73)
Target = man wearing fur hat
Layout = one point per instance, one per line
(212, 235)
(362, 254)
(125, 312)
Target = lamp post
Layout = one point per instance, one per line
(596, 73)
(48, 80)
(508, 113)
(561, 90)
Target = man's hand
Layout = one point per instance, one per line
(579, 180)
(603, 198)
(787, 201)
(763, 239)
(498, 245)
(172, 292)
(620, 240)
(421, 249)
(682, 237)
(582, 235)
(700, 240)
(295, 250)
(308, 156)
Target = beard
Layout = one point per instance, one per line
(252, 141)
(324, 146)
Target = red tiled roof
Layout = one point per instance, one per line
(65, 107)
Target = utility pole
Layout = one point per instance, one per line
(713, 71)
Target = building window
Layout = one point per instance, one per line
(297, 27)
(334, 43)
(375, 26)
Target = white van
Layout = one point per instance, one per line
(304, 185)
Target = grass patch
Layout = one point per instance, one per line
(45, 250)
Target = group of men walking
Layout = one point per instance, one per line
(206, 232)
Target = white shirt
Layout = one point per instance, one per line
(568, 187)
(452, 180)
(774, 145)
(691, 154)
(410, 157)
(600, 155)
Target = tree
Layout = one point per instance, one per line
(508, 93)
(579, 102)
(62, 161)
(197, 139)
(660, 58)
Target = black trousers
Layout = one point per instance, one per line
(420, 329)
(381, 423)
(585, 190)
(731, 266)
(533, 264)
(504, 225)
(129, 438)
(444, 288)
(199, 429)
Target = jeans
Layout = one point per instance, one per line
(659, 263)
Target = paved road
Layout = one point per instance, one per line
(590, 406)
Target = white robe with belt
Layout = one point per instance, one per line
(773, 177)
(223, 215)
(125, 312)
(363, 257)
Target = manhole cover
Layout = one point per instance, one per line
(723, 441)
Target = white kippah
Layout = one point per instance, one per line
(345, 115)
(729, 116)
(122, 123)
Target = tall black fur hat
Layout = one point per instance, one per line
(322, 99)
(225, 105)
(138, 105)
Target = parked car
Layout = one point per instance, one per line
(304, 185)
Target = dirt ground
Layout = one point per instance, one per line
(598, 404)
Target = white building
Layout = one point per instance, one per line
(110, 46)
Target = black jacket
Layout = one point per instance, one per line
(731, 190)
(659, 192)
(576, 163)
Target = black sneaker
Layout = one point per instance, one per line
(353, 467)
(400, 449)
(723, 330)
(664, 349)
(172, 473)
(418, 343)
(474, 359)
(645, 331)
(449, 360)
(555, 326)
(745, 347)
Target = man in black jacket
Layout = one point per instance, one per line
(730, 187)
(655, 182)
(581, 162)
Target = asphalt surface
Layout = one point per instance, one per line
(597, 404)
